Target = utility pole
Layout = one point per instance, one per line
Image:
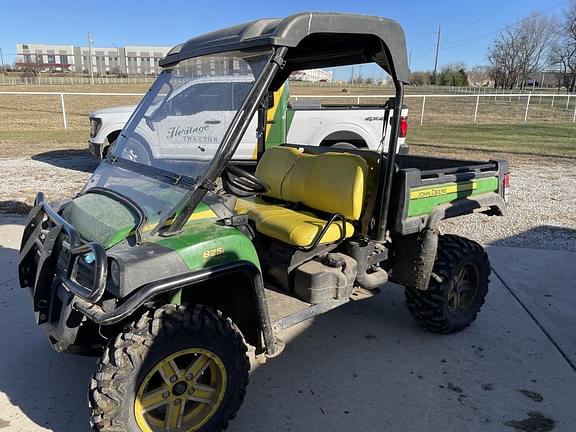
(2, 61)
(437, 51)
(90, 41)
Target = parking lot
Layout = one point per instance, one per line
(365, 366)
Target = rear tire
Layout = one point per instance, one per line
(451, 305)
(177, 368)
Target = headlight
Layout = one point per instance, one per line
(95, 124)
(115, 272)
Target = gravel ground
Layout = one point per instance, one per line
(541, 213)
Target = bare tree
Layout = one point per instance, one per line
(503, 59)
(562, 55)
(519, 50)
(535, 35)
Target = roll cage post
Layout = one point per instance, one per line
(231, 139)
(386, 174)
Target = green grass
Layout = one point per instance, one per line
(527, 139)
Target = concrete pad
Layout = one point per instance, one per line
(365, 366)
(544, 281)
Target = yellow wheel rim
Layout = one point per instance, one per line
(181, 392)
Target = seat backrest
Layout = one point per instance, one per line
(329, 182)
(273, 167)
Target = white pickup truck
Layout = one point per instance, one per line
(305, 122)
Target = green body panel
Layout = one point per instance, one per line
(204, 244)
(100, 219)
(435, 195)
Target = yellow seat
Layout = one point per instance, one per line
(330, 183)
(289, 226)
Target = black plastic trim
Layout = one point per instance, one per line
(45, 242)
(147, 292)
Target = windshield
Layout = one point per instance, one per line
(180, 124)
(178, 128)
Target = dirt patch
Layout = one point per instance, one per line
(536, 422)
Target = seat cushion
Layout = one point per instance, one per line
(289, 226)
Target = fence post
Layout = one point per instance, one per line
(574, 117)
(568, 102)
(553, 97)
(476, 109)
(527, 106)
(422, 113)
(358, 101)
(63, 110)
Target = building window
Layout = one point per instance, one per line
(27, 58)
(51, 59)
(64, 59)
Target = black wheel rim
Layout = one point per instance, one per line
(463, 289)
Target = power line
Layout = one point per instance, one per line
(473, 39)
(477, 20)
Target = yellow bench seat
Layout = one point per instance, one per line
(289, 226)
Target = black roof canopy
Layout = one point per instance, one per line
(316, 40)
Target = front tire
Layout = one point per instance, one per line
(177, 368)
(452, 304)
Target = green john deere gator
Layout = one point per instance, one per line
(172, 260)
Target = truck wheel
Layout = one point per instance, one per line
(177, 368)
(452, 304)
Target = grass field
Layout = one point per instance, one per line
(33, 124)
(531, 140)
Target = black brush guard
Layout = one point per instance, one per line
(51, 248)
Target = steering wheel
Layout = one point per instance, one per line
(241, 183)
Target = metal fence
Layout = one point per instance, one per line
(9, 80)
(465, 108)
(427, 108)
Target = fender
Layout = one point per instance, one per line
(148, 292)
(103, 133)
(322, 134)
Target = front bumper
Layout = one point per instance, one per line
(50, 267)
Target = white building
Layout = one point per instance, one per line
(312, 75)
(129, 60)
